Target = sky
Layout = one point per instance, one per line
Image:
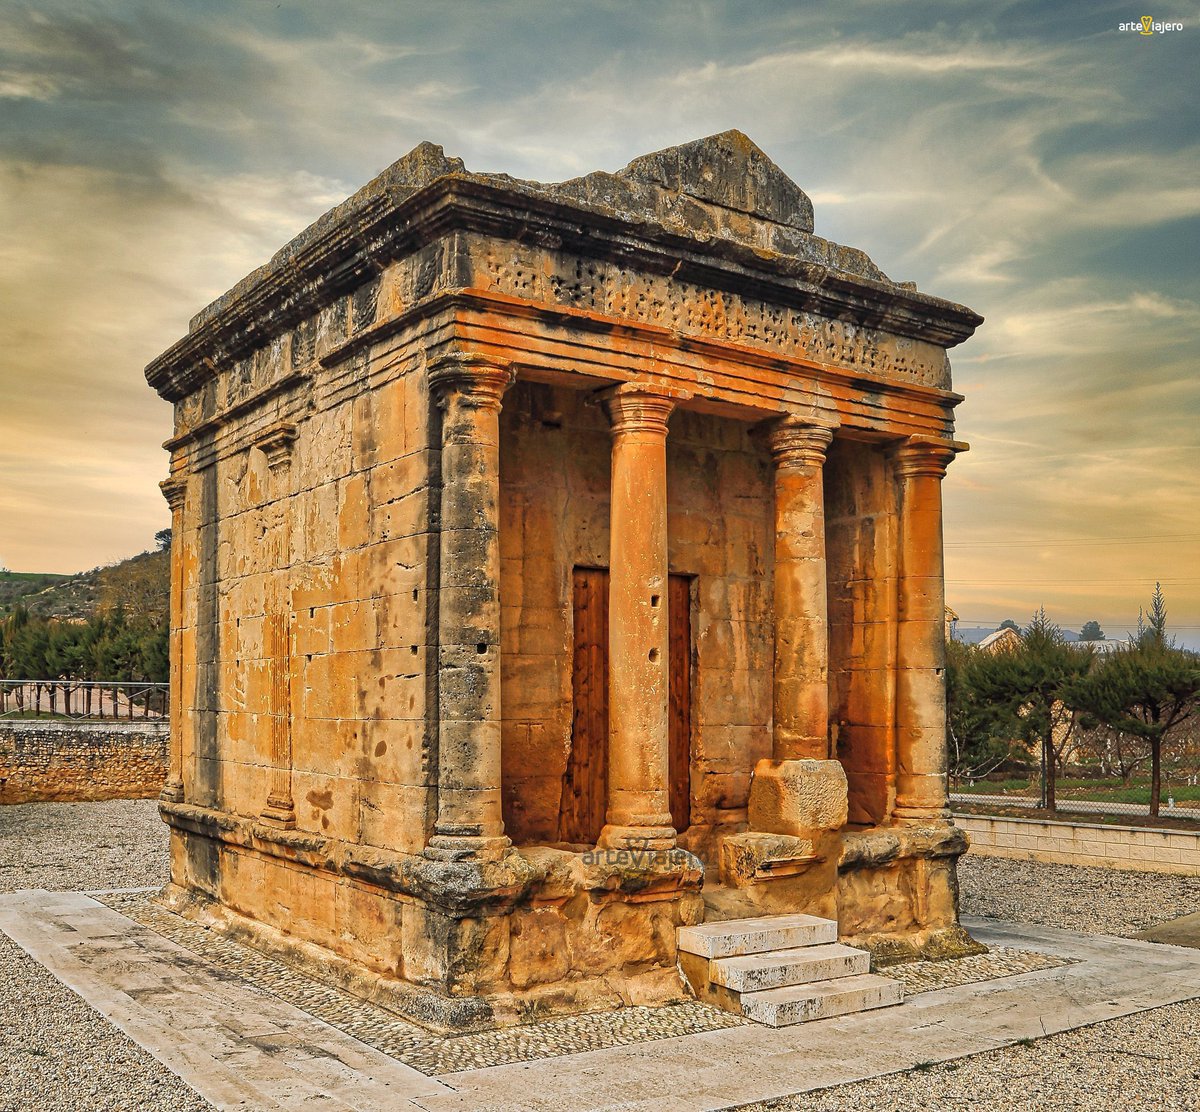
(1027, 159)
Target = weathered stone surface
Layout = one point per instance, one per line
(799, 797)
(395, 445)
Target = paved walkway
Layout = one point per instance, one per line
(241, 1047)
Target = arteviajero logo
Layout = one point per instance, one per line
(1148, 25)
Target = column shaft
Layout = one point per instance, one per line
(801, 677)
(920, 465)
(639, 812)
(469, 820)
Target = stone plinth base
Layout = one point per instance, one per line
(898, 892)
(454, 946)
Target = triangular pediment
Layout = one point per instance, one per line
(729, 170)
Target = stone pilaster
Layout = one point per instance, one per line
(280, 810)
(919, 465)
(174, 490)
(639, 812)
(469, 822)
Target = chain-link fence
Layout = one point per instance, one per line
(1082, 791)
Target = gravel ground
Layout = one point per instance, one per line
(56, 1053)
(1076, 897)
(1140, 1062)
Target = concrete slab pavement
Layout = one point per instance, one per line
(241, 1047)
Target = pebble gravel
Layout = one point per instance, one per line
(1075, 897)
(1133, 1064)
(57, 1054)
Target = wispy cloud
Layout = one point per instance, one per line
(151, 155)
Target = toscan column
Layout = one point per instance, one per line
(801, 677)
(469, 823)
(800, 791)
(639, 811)
(919, 464)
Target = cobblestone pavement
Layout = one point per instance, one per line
(57, 1053)
(430, 1053)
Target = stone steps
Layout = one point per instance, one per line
(782, 969)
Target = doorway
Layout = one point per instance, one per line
(585, 784)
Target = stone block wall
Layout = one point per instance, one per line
(77, 762)
(1107, 847)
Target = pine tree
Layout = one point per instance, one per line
(1145, 690)
(1026, 685)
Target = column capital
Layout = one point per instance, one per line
(799, 441)
(479, 380)
(275, 442)
(640, 407)
(174, 490)
(924, 455)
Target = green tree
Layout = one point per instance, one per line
(1145, 690)
(1008, 623)
(980, 734)
(1091, 631)
(1024, 686)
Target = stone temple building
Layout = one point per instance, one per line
(558, 571)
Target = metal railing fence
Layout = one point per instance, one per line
(100, 700)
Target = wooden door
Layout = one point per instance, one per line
(679, 614)
(585, 784)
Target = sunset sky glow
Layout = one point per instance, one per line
(1027, 159)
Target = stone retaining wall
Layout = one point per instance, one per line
(73, 761)
(1068, 843)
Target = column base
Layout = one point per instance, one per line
(467, 847)
(920, 816)
(172, 792)
(657, 837)
(279, 813)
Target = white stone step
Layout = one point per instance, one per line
(781, 1007)
(779, 968)
(756, 936)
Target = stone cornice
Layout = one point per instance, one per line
(338, 255)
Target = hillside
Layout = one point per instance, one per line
(18, 585)
(141, 584)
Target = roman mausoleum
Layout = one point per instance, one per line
(557, 575)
